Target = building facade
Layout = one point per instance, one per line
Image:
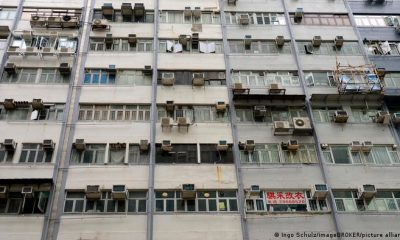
(212, 119)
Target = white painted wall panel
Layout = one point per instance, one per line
(148, 4)
(119, 59)
(26, 92)
(21, 227)
(195, 95)
(191, 61)
(30, 131)
(262, 32)
(303, 32)
(116, 94)
(180, 5)
(325, 62)
(27, 171)
(262, 62)
(172, 31)
(255, 5)
(204, 176)
(370, 223)
(121, 30)
(314, 6)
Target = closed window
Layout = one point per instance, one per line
(17, 203)
(181, 153)
(93, 154)
(322, 19)
(258, 18)
(7, 13)
(392, 80)
(328, 48)
(259, 47)
(177, 17)
(316, 79)
(5, 156)
(114, 113)
(34, 153)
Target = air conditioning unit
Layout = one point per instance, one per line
(38, 21)
(119, 192)
(355, 146)
(249, 145)
(198, 79)
(188, 191)
(112, 70)
(170, 106)
(244, 19)
(238, 88)
(54, 22)
(93, 192)
(132, 40)
(254, 191)
(117, 146)
(70, 22)
(109, 39)
(3, 192)
(282, 128)
(324, 146)
(37, 104)
(147, 71)
(383, 117)
(10, 68)
(27, 191)
(183, 39)
(319, 191)
(166, 146)
(10, 145)
(64, 69)
(9, 104)
(317, 40)
(183, 121)
(139, 10)
(166, 122)
(48, 145)
(220, 106)
(187, 12)
(247, 41)
(280, 41)
(144, 145)
(80, 144)
(107, 9)
(298, 15)
(222, 145)
(309, 48)
(340, 116)
(293, 145)
(339, 41)
(367, 146)
(232, 2)
(396, 117)
(196, 12)
(99, 24)
(126, 9)
(260, 111)
(366, 191)
(302, 126)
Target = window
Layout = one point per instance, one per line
(273, 153)
(324, 114)
(114, 113)
(383, 48)
(375, 21)
(131, 77)
(363, 115)
(117, 153)
(285, 201)
(7, 13)
(74, 202)
(198, 114)
(93, 154)
(316, 79)
(379, 155)
(99, 44)
(206, 201)
(323, 19)
(5, 156)
(328, 48)
(177, 17)
(258, 18)
(384, 201)
(259, 47)
(345, 200)
(262, 79)
(210, 154)
(98, 76)
(392, 80)
(117, 17)
(16, 203)
(29, 76)
(181, 153)
(211, 78)
(34, 153)
(206, 46)
(49, 112)
(135, 156)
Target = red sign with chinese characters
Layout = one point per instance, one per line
(286, 198)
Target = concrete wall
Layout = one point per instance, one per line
(21, 227)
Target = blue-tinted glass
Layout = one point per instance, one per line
(103, 78)
(95, 78)
(111, 79)
(87, 78)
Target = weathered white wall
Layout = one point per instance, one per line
(27, 171)
(27, 92)
(122, 30)
(192, 95)
(194, 227)
(119, 59)
(313, 6)
(262, 62)
(198, 61)
(115, 94)
(172, 31)
(21, 227)
(148, 4)
(180, 5)
(262, 32)
(256, 6)
(204, 176)
(96, 227)
(327, 33)
(370, 223)
(325, 62)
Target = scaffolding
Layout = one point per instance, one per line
(363, 79)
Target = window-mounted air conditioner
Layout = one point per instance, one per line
(126, 9)
(93, 192)
(232, 2)
(319, 191)
(298, 15)
(317, 40)
(10, 145)
(99, 24)
(10, 68)
(132, 40)
(188, 191)
(9, 104)
(107, 9)
(220, 106)
(254, 191)
(168, 78)
(302, 126)
(187, 12)
(293, 145)
(144, 145)
(282, 128)
(64, 69)
(339, 41)
(249, 145)
(383, 117)
(80, 144)
(198, 79)
(170, 106)
(166, 122)
(139, 10)
(54, 22)
(38, 21)
(70, 21)
(340, 116)
(27, 191)
(280, 41)
(148, 71)
(37, 104)
(166, 146)
(197, 12)
(355, 146)
(238, 88)
(119, 192)
(48, 145)
(367, 146)
(260, 111)
(183, 121)
(3, 192)
(396, 117)
(222, 145)
(244, 19)
(366, 191)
